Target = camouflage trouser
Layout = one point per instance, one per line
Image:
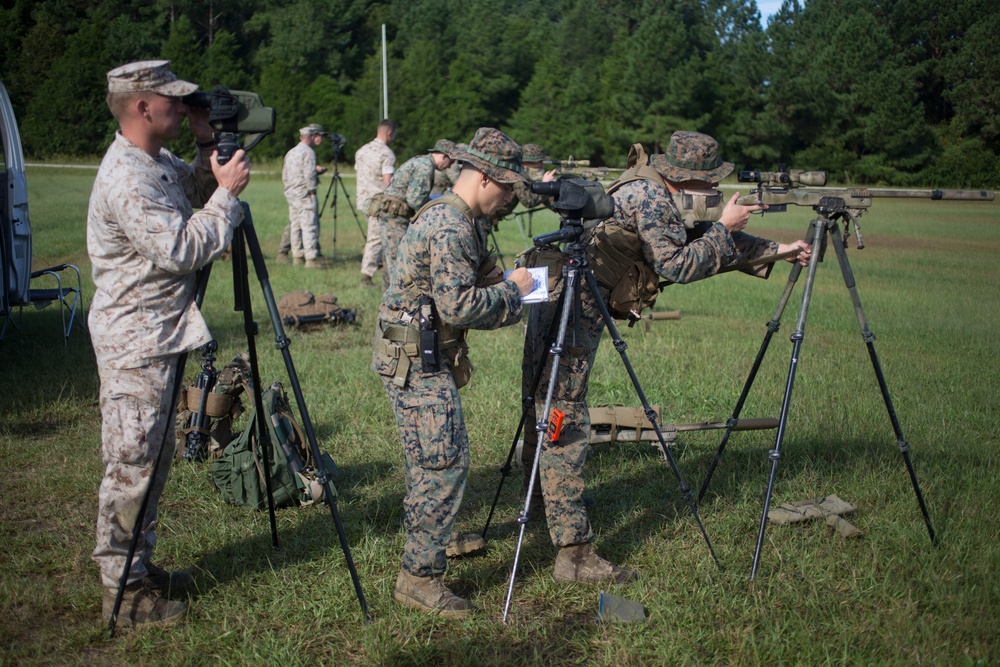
(393, 228)
(561, 464)
(372, 255)
(135, 416)
(303, 227)
(436, 452)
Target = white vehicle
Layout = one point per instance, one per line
(15, 230)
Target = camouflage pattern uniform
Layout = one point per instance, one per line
(522, 190)
(440, 256)
(301, 180)
(675, 254)
(372, 162)
(411, 185)
(145, 243)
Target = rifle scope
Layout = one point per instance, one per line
(783, 178)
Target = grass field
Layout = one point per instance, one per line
(930, 283)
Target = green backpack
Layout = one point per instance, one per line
(239, 472)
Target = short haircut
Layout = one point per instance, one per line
(387, 125)
(118, 103)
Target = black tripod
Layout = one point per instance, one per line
(574, 272)
(244, 238)
(336, 180)
(821, 229)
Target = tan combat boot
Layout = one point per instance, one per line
(317, 264)
(141, 606)
(431, 596)
(298, 261)
(366, 281)
(161, 580)
(283, 258)
(463, 545)
(580, 564)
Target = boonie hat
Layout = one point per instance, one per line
(533, 153)
(312, 128)
(691, 156)
(495, 154)
(148, 75)
(443, 146)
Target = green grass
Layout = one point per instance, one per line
(930, 284)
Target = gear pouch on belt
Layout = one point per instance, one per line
(459, 364)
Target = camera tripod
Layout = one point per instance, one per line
(336, 181)
(822, 228)
(244, 240)
(575, 271)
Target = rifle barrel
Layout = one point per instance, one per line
(974, 195)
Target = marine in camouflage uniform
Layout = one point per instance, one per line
(534, 159)
(145, 243)
(374, 164)
(445, 178)
(680, 255)
(409, 189)
(444, 273)
(300, 175)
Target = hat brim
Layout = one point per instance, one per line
(498, 174)
(680, 174)
(176, 88)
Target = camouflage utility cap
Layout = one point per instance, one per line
(443, 146)
(311, 129)
(691, 156)
(148, 75)
(533, 153)
(495, 154)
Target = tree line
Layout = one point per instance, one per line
(896, 92)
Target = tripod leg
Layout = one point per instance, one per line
(527, 404)
(869, 338)
(241, 282)
(819, 226)
(621, 346)
(540, 426)
(772, 328)
(282, 343)
(347, 196)
(203, 276)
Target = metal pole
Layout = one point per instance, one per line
(385, 79)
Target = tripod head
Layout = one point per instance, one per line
(580, 203)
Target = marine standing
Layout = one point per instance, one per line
(300, 175)
(444, 284)
(145, 244)
(374, 164)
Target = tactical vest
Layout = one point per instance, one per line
(402, 341)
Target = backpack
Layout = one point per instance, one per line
(615, 254)
(238, 473)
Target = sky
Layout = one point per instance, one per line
(767, 7)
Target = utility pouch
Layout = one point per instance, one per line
(428, 337)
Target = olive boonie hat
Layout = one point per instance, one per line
(442, 146)
(495, 154)
(691, 156)
(148, 75)
(312, 128)
(533, 153)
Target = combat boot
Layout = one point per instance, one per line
(298, 261)
(431, 596)
(142, 606)
(463, 545)
(580, 564)
(316, 264)
(283, 258)
(161, 580)
(366, 281)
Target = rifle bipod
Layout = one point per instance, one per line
(574, 272)
(820, 229)
(244, 238)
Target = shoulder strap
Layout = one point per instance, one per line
(636, 169)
